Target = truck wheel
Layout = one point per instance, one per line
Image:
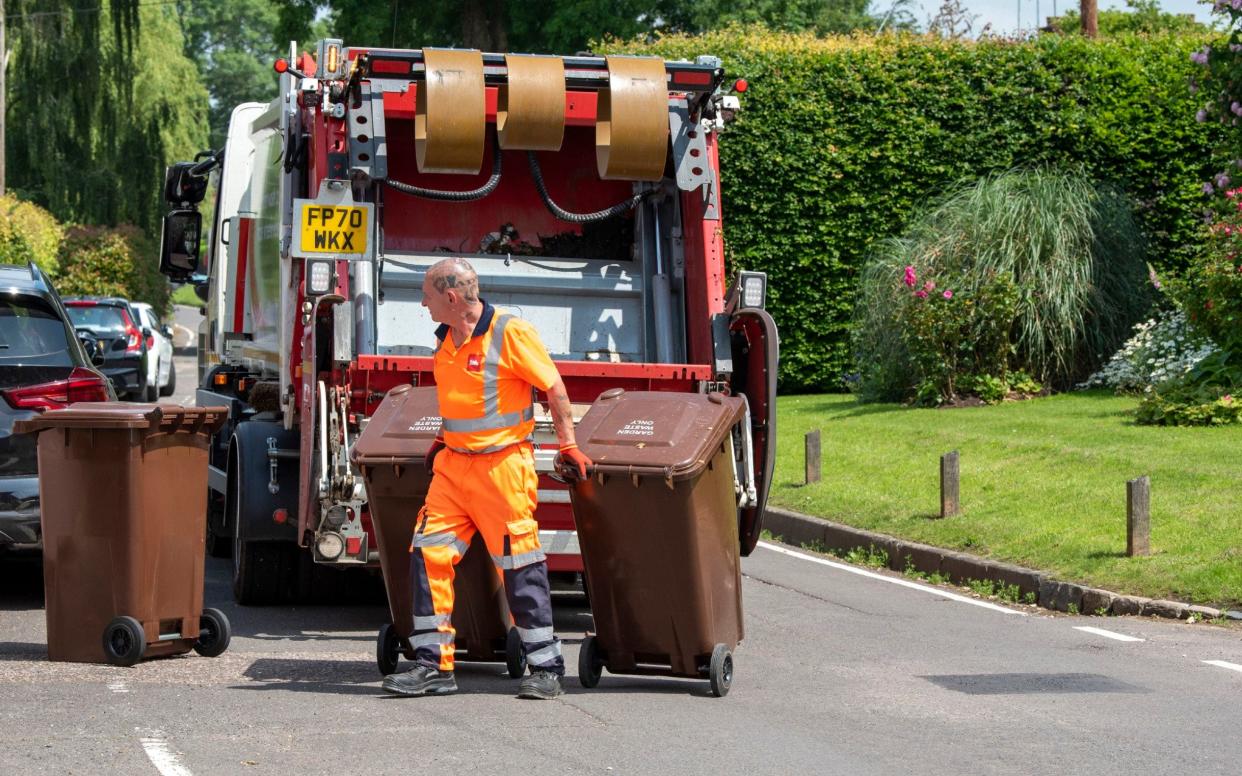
(515, 656)
(214, 633)
(720, 671)
(589, 667)
(171, 388)
(265, 568)
(124, 642)
(387, 650)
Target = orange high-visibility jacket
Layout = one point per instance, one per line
(485, 387)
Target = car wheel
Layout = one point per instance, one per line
(171, 386)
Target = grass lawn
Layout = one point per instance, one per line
(184, 294)
(1043, 484)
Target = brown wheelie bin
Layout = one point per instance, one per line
(658, 527)
(390, 453)
(123, 489)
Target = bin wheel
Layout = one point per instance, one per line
(214, 633)
(589, 667)
(387, 649)
(124, 642)
(515, 656)
(720, 672)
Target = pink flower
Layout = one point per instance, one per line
(1227, 398)
(929, 286)
(910, 277)
(948, 294)
(921, 294)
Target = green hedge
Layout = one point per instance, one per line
(841, 140)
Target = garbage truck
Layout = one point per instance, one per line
(585, 190)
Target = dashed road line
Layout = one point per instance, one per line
(894, 580)
(1224, 664)
(118, 687)
(1107, 634)
(161, 755)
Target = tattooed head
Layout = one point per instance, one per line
(458, 275)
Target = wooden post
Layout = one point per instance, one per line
(1090, 12)
(950, 505)
(1138, 517)
(812, 456)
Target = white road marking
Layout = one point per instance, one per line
(894, 580)
(1107, 634)
(160, 754)
(1224, 664)
(118, 687)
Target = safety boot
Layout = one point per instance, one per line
(540, 685)
(421, 680)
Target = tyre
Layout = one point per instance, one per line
(214, 633)
(589, 666)
(387, 650)
(515, 656)
(720, 671)
(265, 567)
(217, 544)
(171, 387)
(124, 641)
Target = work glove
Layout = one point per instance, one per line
(572, 463)
(430, 460)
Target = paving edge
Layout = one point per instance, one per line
(816, 533)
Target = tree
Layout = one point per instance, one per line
(556, 26)
(233, 43)
(1142, 16)
(101, 101)
(952, 21)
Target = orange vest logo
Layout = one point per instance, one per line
(473, 363)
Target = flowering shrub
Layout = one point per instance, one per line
(1163, 349)
(959, 342)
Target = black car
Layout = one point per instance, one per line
(125, 341)
(43, 365)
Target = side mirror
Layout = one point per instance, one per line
(179, 244)
(167, 331)
(201, 290)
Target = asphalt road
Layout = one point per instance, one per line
(839, 673)
(843, 671)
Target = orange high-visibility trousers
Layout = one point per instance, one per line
(494, 494)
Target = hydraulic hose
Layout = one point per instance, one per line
(579, 218)
(454, 196)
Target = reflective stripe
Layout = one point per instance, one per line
(491, 421)
(518, 561)
(431, 622)
(535, 635)
(429, 639)
(443, 539)
(491, 368)
(545, 655)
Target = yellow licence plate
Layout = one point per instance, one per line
(334, 229)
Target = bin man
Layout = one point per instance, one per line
(487, 365)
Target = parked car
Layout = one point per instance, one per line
(161, 376)
(116, 323)
(44, 364)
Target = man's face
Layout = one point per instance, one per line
(436, 302)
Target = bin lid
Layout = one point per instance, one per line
(402, 428)
(127, 415)
(656, 433)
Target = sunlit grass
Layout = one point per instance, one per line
(1043, 484)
